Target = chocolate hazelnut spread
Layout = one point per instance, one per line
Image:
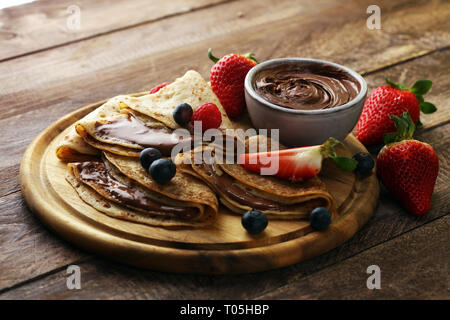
(131, 130)
(308, 87)
(228, 185)
(97, 173)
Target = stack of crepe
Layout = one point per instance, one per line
(103, 149)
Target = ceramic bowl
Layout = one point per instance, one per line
(303, 127)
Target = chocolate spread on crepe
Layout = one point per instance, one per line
(235, 192)
(122, 189)
(133, 131)
(241, 190)
(127, 132)
(96, 175)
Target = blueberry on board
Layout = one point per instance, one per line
(162, 170)
(147, 156)
(183, 114)
(254, 221)
(320, 218)
(365, 163)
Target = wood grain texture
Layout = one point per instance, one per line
(41, 25)
(404, 262)
(388, 221)
(59, 81)
(40, 88)
(27, 249)
(222, 248)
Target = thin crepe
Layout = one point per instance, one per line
(106, 199)
(74, 148)
(190, 88)
(241, 190)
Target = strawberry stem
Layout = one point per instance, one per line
(327, 150)
(211, 56)
(251, 56)
(405, 128)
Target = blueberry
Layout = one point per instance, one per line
(183, 114)
(162, 170)
(320, 218)
(147, 157)
(254, 221)
(365, 163)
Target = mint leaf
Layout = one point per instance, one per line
(421, 87)
(345, 164)
(427, 107)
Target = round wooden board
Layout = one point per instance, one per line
(223, 248)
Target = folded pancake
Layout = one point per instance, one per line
(190, 88)
(241, 190)
(126, 132)
(103, 185)
(74, 148)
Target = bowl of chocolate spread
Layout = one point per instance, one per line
(308, 100)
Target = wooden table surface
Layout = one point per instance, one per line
(48, 70)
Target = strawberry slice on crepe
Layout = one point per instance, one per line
(297, 163)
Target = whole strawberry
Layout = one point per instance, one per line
(408, 168)
(227, 80)
(394, 99)
(209, 116)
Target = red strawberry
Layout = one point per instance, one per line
(158, 87)
(407, 167)
(227, 80)
(394, 99)
(209, 115)
(297, 163)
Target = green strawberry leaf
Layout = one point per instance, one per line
(390, 137)
(401, 124)
(427, 107)
(411, 127)
(399, 86)
(251, 56)
(345, 164)
(419, 98)
(405, 128)
(419, 124)
(421, 87)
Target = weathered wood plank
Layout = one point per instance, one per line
(136, 58)
(388, 221)
(413, 266)
(39, 89)
(27, 249)
(44, 24)
(435, 66)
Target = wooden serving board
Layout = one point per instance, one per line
(223, 248)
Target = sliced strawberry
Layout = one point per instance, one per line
(158, 87)
(297, 163)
